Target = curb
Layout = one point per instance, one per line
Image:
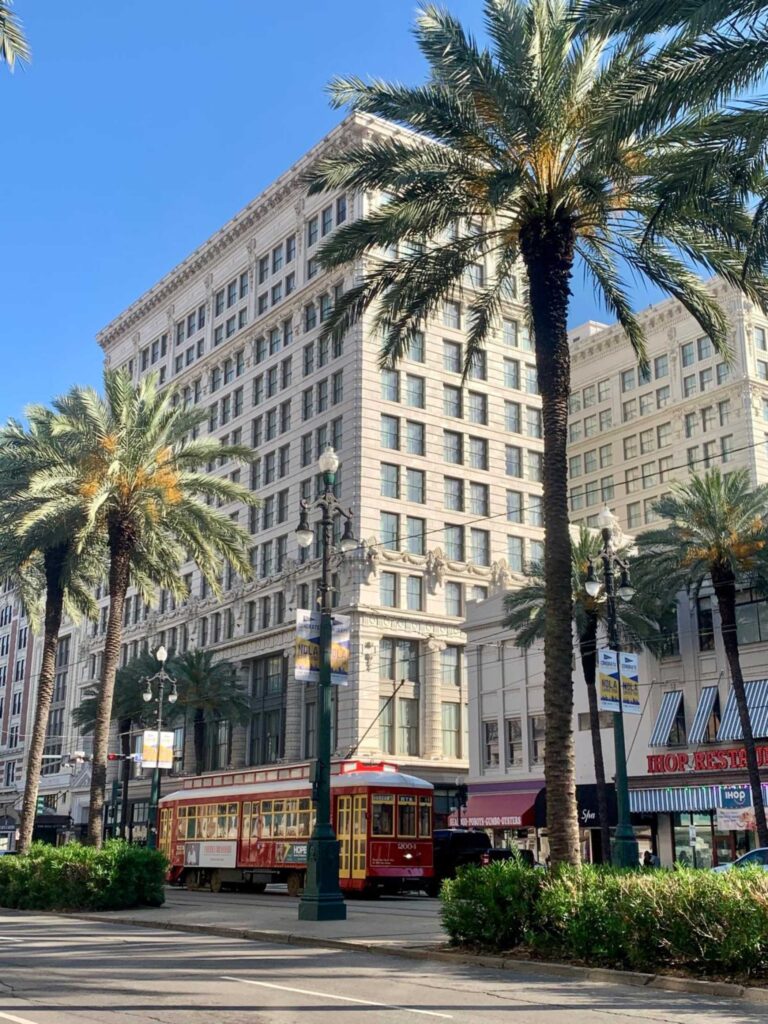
(604, 975)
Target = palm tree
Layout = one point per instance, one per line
(41, 559)
(13, 44)
(134, 476)
(526, 153)
(715, 535)
(209, 692)
(525, 615)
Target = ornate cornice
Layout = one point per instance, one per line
(290, 186)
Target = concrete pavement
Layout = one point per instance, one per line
(62, 970)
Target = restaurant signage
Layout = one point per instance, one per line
(703, 761)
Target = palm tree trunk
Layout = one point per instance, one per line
(588, 648)
(119, 576)
(547, 248)
(54, 604)
(725, 590)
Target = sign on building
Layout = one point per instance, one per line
(307, 659)
(149, 749)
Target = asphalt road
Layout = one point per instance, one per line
(56, 970)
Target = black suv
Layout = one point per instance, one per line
(453, 848)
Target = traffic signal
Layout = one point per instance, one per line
(40, 806)
(461, 795)
(115, 757)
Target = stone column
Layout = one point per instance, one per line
(294, 699)
(431, 689)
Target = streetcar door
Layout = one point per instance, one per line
(359, 834)
(344, 833)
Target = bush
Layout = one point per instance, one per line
(75, 877)
(699, 921)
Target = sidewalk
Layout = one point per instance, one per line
(410, 922)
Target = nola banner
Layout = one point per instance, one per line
(307, 660)
(149, 749)
(613, 667)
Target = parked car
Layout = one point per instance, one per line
(496, 853)
(754, 859)
(453, 848)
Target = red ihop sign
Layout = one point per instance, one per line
(703, 761)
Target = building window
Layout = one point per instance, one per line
(390, 480)
(414, 599)
(452, 356)
(537, 728)
(388, 589)
(515, 553)
(706, 624)
(453, 598)
(390, 432)
(454, 542)
(389, 530)
(386, 724)
(415, 486)
(451, 728)
(408, 726)
(514, 733)
(490, 744)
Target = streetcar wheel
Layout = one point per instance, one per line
(295, 883)
(215, 881)
(192, 880)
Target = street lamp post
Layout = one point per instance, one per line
(322, 899)
(625, 849)
(161, 678)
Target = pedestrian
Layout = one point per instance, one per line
(655, 862)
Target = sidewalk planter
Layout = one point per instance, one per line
(75, 877)
(699, 922)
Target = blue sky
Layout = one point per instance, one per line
(139, 128)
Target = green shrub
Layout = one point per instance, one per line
(75, 877)
(699, 921)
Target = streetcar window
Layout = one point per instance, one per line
(305, 817)
(278, 819)
(192, 822)
(425, 817)
(181, 824)
(292, 818)
(383, 816)
(231, 832)
(266, 818)
(406, 815)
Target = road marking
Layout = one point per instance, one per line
(16, 1020)
(7, 938)
(330, 995)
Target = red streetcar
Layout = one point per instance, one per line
(249, 828)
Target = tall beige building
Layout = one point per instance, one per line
(443, 481)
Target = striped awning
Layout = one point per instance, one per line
(667, 715)
(757, 702)
(688, 798)
(703, 714)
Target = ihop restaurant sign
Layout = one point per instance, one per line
(703, 761)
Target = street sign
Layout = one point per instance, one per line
(307, 656)
(608, 680)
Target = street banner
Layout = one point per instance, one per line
(630, 684)
(149, 749)
(307, 652)
(608, 680)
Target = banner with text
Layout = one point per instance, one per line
(307, 659)
(608, 680)
(149, 749)
(630, 684)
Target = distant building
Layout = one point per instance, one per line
(630, 435)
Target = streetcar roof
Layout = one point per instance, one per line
(385, 780)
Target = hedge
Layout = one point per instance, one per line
(75, 877)
(700, 922)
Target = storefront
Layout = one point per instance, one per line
(505, 810)
(589, 820)
(702, 824)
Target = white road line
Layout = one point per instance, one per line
(7, 938)
(16, 1020)
(330, 995)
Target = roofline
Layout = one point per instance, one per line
(246, 219)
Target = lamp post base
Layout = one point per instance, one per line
(322, 899)
(625, 852)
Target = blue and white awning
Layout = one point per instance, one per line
(667, 715)
(687, 798)
(757, 702)
(703, 714)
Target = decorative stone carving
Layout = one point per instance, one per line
(500, 574)
(436, 568)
